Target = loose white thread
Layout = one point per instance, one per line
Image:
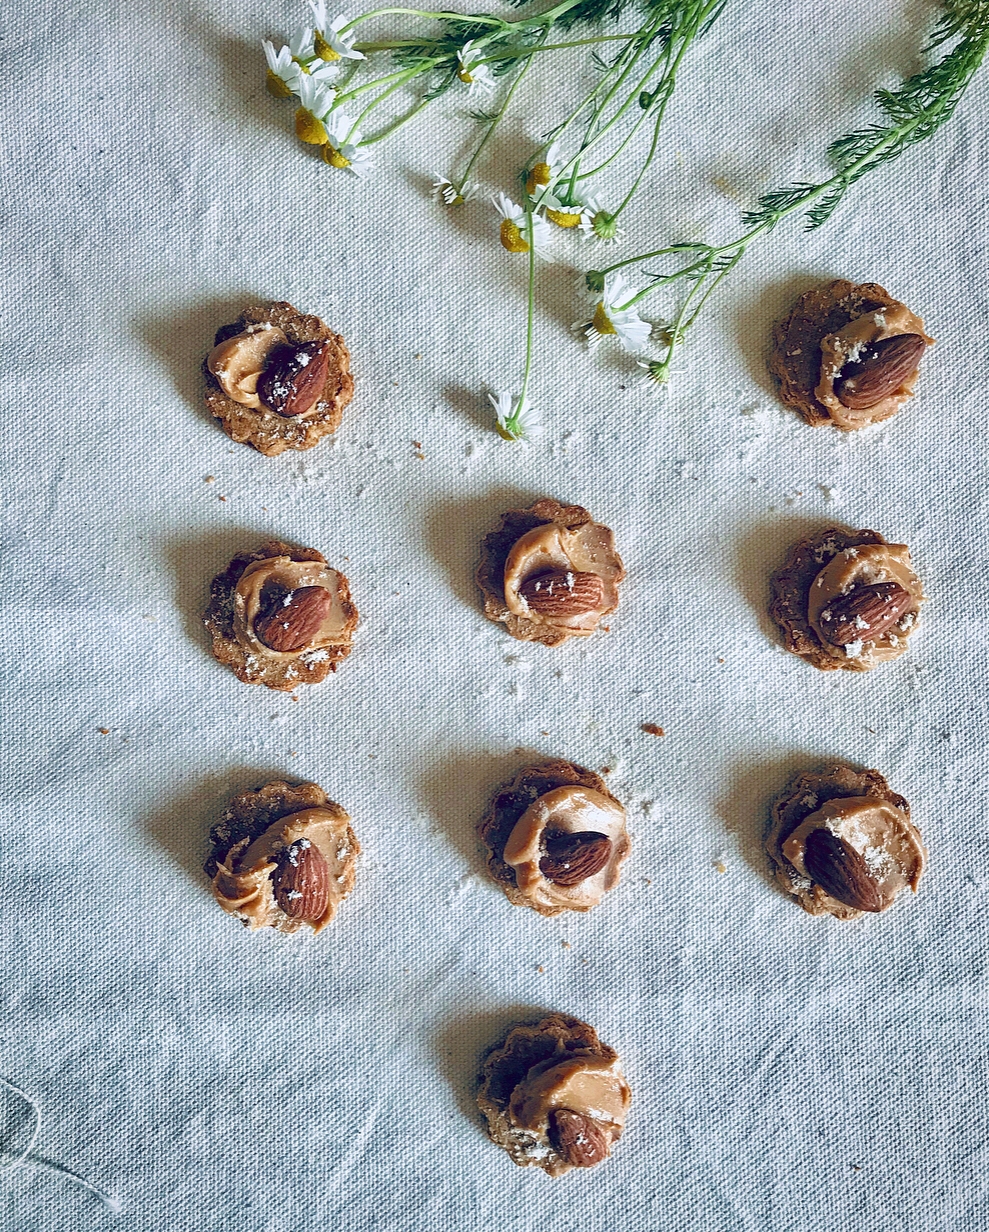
(27, 1158)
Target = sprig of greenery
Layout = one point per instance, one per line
(915, 112)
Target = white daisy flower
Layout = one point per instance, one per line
(514, 228)
(316, 99)
(301, 45)
(283, 71)
(598, 224)
(543, 172)
(343, 147)
(610, 318)
(478, 76)
(330, 43)
(517, 420)
(447, 192)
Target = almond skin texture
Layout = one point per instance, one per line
(293, 381)
(880, 371)
(576, 1138)
(291, 626)
(301, 884)
(865, 613)
(562, 593)
(841, 871)
(572, 858)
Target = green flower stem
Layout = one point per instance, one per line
(711, 9)
(480, 19)
(531, 308)
(492, 126)
(519, 52)
(407, 75)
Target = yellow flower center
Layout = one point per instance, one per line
(539, 177)
(504, 433)
(512, 238)
(323, 49)
(333, 156)
(465, 76)
(563, 218)
(277, 87)
(601, 321)
(308, 128)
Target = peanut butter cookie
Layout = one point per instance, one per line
(549, 573)
(277, 379)
(283, 857)
(280, 616)
(848, 355)
(556, 838)
(843, 844)
(847, 599)
(554, 1096)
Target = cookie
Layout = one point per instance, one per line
(554, 1096)
(556, 838)
(846, 599)
(282, 857)
(847, 355)
(277, 379)
(842, 843)
(549, 573)
(280, 616)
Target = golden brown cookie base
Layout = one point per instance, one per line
(791, 590)
(555, 1037)
(805, 795)
(251, 813)
(281, 674)
(508, 805)
(268, 432)
(495, 548)
(796, 357)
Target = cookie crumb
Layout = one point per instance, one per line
(605, 770)
(210, 479)
(541, 970)
(720, 866)
(104, 731)
(653, 729)
(223, 498)
(565, 944)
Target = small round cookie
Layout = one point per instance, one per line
(554, 1096)
(843, 844)
(847, 599)
(556, 838)
(848, 355)
(277, 379)
(280, 616)
(549, 573)
(283, 857)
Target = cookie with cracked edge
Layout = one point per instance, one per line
(496, 548)
(282, 673)
(267, 431)
(796, 356)
(803, 797)
(790, 589)
(527, 1053)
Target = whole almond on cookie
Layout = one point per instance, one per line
(562, 592)
(293, 381)
(301, 884)
(879, 372)
(865, 613)
(572, 858)
(294, 621)
(577, 1138)
(841, 871)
